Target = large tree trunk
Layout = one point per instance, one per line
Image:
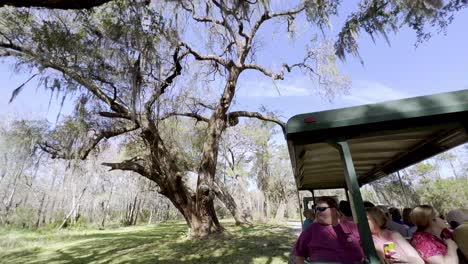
(77, 204)
(106, 209)
(238, 213)
(204, 201)
(280, 211)
(130, 215)
(197, 208)
(266, 206)
(203, 222)
(40, 211)
(150, 220)
(9, 200)
(136, 212)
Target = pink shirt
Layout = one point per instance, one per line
(428, 245)
(338, 243)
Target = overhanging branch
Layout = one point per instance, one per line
(84, 151)
(266, 16)
(275, 76)
(175, 71)
(192, 115)
(201, 57)
(129, 165)
(257, 115)
(86, 83)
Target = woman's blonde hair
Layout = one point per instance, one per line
(422, 216)
(378, 216)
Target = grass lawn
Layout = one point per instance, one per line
(163, 243)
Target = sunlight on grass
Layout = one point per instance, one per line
(164, 243)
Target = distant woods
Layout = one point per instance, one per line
(253, 168)
(37, 191)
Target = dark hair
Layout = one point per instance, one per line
(345, 208)
(407, 217)
(328, 200)
(368, 204)
(395, 213)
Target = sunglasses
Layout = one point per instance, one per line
(321, 209)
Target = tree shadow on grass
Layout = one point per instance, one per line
(165, 243)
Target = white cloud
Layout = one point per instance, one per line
(361, 92)
(269, 88)
(369, 92)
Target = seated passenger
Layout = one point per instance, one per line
(395, 215)
(456, 217)
(309, 218)
(394, 226)
(407, 220)
(328, 240)
(345, 210)
(459, 220)
(427, 239)
(404, 252)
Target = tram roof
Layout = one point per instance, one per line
(383, 138)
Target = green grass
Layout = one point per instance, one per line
(164, 243)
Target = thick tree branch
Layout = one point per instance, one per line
(225, 13)
(257, 115)
(54, 4)
(192, 115)
(176, 71)
(228, 48)
(275, 76)
(208, 20)
(93, 88)
(112, 115)
(266, 16)
(129, 165)
(83, 153)
(211, 107)
(232, 161)
(200, 57)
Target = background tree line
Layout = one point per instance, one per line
(441, 181)
(254, 170)
(37, 191)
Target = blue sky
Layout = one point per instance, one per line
(389, 72)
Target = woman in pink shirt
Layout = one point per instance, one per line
(404, 252)
(427, 239)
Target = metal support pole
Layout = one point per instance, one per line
(347, 195)
(300, 208)
(313, 197)
(403, 188)
(357, 206)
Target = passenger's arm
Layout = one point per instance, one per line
(451, 256)
(381, 255)
(300, 260)
(413, 256)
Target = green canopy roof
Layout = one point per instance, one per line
(383, 138)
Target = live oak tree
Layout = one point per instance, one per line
(132, 67)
